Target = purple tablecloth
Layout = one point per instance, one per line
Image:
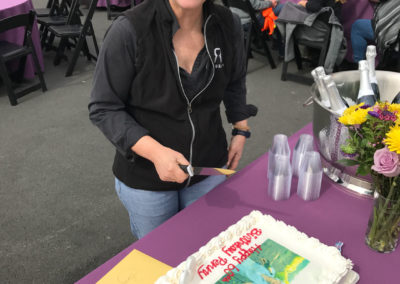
(118, 3)
(351, 11)
(9, 8)
(336, 216)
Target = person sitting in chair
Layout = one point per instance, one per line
(259, 6)
(314, 6)
(313, 21)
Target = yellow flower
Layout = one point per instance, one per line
(395, 108)
(354, 115)
(393, 139)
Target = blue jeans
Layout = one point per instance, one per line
(149, 209)
(361, 34)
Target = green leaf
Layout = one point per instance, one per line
(364, 143)
(348, 162)
(363, 169)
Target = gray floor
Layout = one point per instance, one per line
(60, 217)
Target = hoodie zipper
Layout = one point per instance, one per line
(189, 103)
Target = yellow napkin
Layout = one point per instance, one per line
(135, 268)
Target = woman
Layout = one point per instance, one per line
(164, 68)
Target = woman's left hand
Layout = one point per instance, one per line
(235, 151)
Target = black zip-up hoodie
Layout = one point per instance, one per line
(157, 101)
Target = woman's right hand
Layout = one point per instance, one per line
(167, 163)
(165, 160)
(302, 3)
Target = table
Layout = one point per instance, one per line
(351, 11)
(336, 216)
(11, 8)
(118, 3)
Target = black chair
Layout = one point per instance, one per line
(60, 14)
(44, 12)
(255, 29)
(78, 33)
(321, 46)
(10, 51)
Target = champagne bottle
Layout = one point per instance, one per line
(337, 104)
(370, 55)
(396, 99)
(318, 73)
(365, 94)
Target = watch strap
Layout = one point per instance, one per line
(244, 133)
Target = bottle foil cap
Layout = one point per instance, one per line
(371, 51)
(320, 71)
(328, 80)
(363, 65)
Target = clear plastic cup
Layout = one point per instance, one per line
(310, 176)
(280, 179)
(303, 145)
(280, 146)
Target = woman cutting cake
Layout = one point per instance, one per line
(163, 71)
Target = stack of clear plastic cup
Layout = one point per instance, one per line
(310, 176)
(280, 178)
(303, 145)
(280, 146)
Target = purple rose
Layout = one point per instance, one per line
(386, 163)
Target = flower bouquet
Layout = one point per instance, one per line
(373, 146)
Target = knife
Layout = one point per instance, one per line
(204, 171)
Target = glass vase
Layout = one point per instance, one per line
(384, 225)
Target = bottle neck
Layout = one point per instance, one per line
(365, 85)
(371, 66)
(322, 91)
(335, 99)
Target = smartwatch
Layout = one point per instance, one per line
(245, 133)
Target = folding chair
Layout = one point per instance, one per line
(10, 51)
(77, 32)
(44, 12)
(322, 46)
(255, 29)
(59, 15)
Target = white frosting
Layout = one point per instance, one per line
(332, 266)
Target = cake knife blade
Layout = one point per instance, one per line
(205, 171)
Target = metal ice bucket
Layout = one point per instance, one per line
(330, 134)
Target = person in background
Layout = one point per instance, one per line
(320, 26)
(314, 21)
(259, 6)
(314, 6)
(361, 35)
(382, 30)
(164, 68)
